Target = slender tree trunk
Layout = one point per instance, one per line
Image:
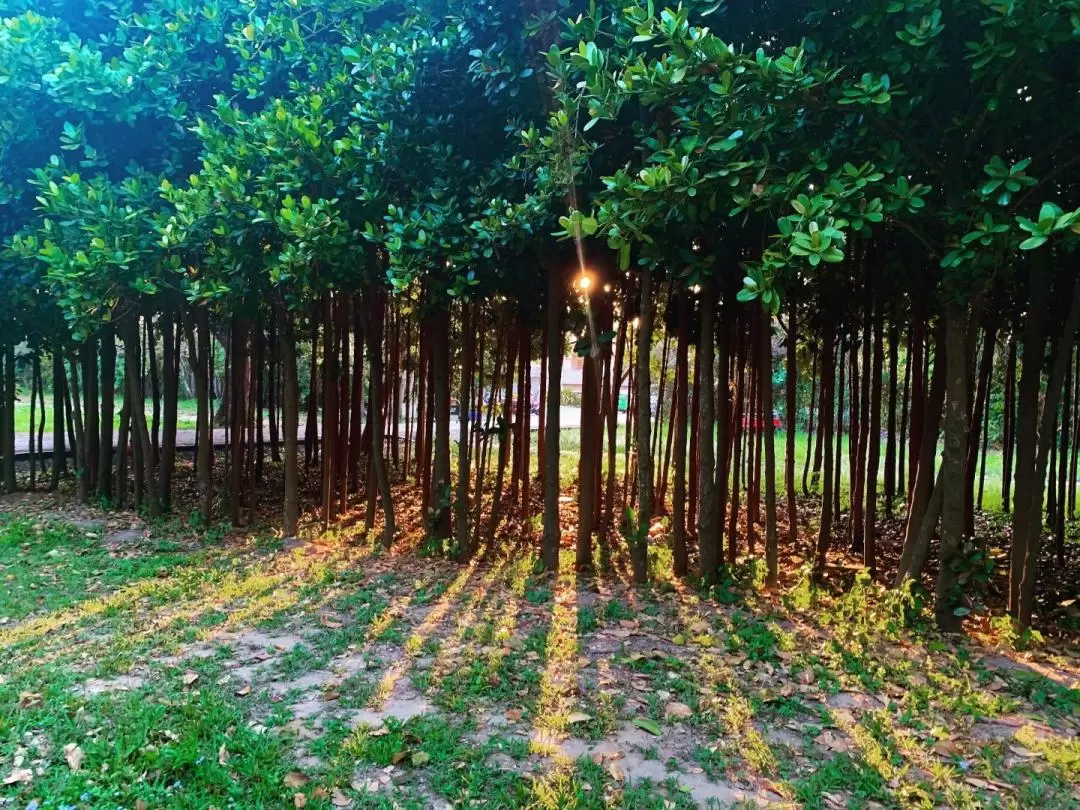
(874, 448)
(1058, 515)
(440, 495)
(953, 463)
(290, 419)
(682, 379)
(824, 538)
(137, 413)
(724, 430)
(1075, 439)
(7, 430)
(108, 409)
(372, 325)
(902, 441)
(555, 346)
(82, 476)
(238, 411)
(982, 393)
(890, 415)
(911, 557)
(35, 383)
(465, 416)
(588, 459)
(330, 412)
(613, 426)
(311, 427)
(155, 387)
(708, 531)
(810, 427)
(1028, 541)
(772, 557)
(791, 407)
(91, 412)
(1008, 439)
(739, 430)
(171, 380)
(916, 362)
(839, 437)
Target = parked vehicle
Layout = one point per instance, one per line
(755, 422)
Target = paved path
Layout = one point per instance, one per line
(570, 419)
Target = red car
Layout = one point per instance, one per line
(755, 422)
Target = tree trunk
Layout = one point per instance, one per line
(155, 388)
(330, 412)
(171, 379)
(791, 378)
(708, 531)
(440, 488)
(1028, 540)
(874, 448)
(682, 380)
(613, 426)
(953, 463)
(7, 429)
(824, 538)
(1008, 443)
(890, 416)
(922, 490)
(982, 393)
(465, 416)
(372, 325)
(552, 530)
(772, 564)
(290, 420)
(137, 413)
(737, 441)
(639, 532)
(810, 426)
(108, 410)
(311, 426)
(82, 476)
(588, 457)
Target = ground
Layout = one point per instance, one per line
(146, 666)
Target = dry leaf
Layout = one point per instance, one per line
(329, 621)
(244, 690)
(74, 756)
(339, 799)
(398, 756)
(676, 709)
(29, 700)
(578, 717)
(19, 775)
(140, 804)
(190, 676)
(331, 694)
(223, 755)
(295, 779)
(381, 731)
(513, 715)
(299, 800)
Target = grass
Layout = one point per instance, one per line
(186, 409)
(165, 675)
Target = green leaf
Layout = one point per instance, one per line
(649, 725)
(1033, 242)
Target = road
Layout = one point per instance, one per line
(569, 417)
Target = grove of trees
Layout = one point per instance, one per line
(379, 212)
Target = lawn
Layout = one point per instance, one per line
(147, 667)
(187, 410)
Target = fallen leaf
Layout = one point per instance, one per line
(578, 717)
(29, 700)
(329, 621)
(295, 779)
(190, 676)
(513, 715)
(339, 799)
(19, 775)
(140, 804)
(676, 709)
(299, 800)
(381, 731)
(244, 690)
(649, 725)
(420, 758)
(331, 694)
(223, 755)
(74, 756)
